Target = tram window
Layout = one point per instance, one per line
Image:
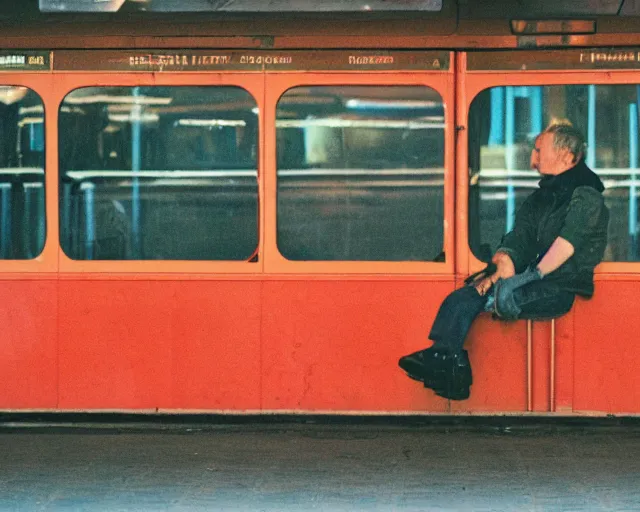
(22, 198)
(503, 122)
(159, 173)
(360, 173)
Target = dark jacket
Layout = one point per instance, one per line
(569, 205)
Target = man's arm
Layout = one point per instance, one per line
(584, 210)
(559, 252)
(519, 246)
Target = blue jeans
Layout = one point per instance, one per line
(540, 300)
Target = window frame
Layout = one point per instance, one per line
(252, 82)
(471, 83)
(41, 83)
(277, 83)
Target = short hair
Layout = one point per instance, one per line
(565, 136)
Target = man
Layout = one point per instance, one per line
(559, 236)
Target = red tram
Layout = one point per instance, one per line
(260, 213)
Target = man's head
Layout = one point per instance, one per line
(557, 149)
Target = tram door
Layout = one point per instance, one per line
(585, 361)
(359, 230)
(28, 310)
(159, 214)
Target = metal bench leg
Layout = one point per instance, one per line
(552, 368)
(529, 363)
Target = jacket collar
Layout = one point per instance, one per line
(578, 176)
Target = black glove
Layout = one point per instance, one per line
(505, 305)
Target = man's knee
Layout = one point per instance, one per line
(465, 294)
(466, 298)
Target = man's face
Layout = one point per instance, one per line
(547, 159)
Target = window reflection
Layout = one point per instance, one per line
(503, 122)
(238, 5)
(22, 198)
(159, 173)
(360, 173)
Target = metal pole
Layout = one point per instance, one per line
(89, 219)
(552, 368)
(5, 240)
(136, 136)
(535, 101)
(529, 365)
(65, 219)
(496, 133)
(633, 165)
(26, 224)
(42, 214)
(510, 135)
(591, 126)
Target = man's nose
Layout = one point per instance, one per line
(534, 159)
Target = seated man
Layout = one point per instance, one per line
(559, 236)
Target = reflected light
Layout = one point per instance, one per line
(358, 123)
(391, 104)
(36, 109)
(106, 98)
(30, 120)
(211, 122)
(12, 94)
(126, 118)
(80, 5)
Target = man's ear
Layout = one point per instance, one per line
(568, 157)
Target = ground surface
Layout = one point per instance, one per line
(320, 466)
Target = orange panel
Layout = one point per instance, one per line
(28, 342)
(558, 369)
(215, 346)
(541, 370)
(498, 353)
(149, 344)
(564, 362)
(607, 352)
(334, 345)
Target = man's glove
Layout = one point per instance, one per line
(505, 304)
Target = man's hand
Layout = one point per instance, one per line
(485, 284)
(504, 270)
(505, 266)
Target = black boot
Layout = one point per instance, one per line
(460, 378)
(432, 367)
(449, 375)
(414, 365)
